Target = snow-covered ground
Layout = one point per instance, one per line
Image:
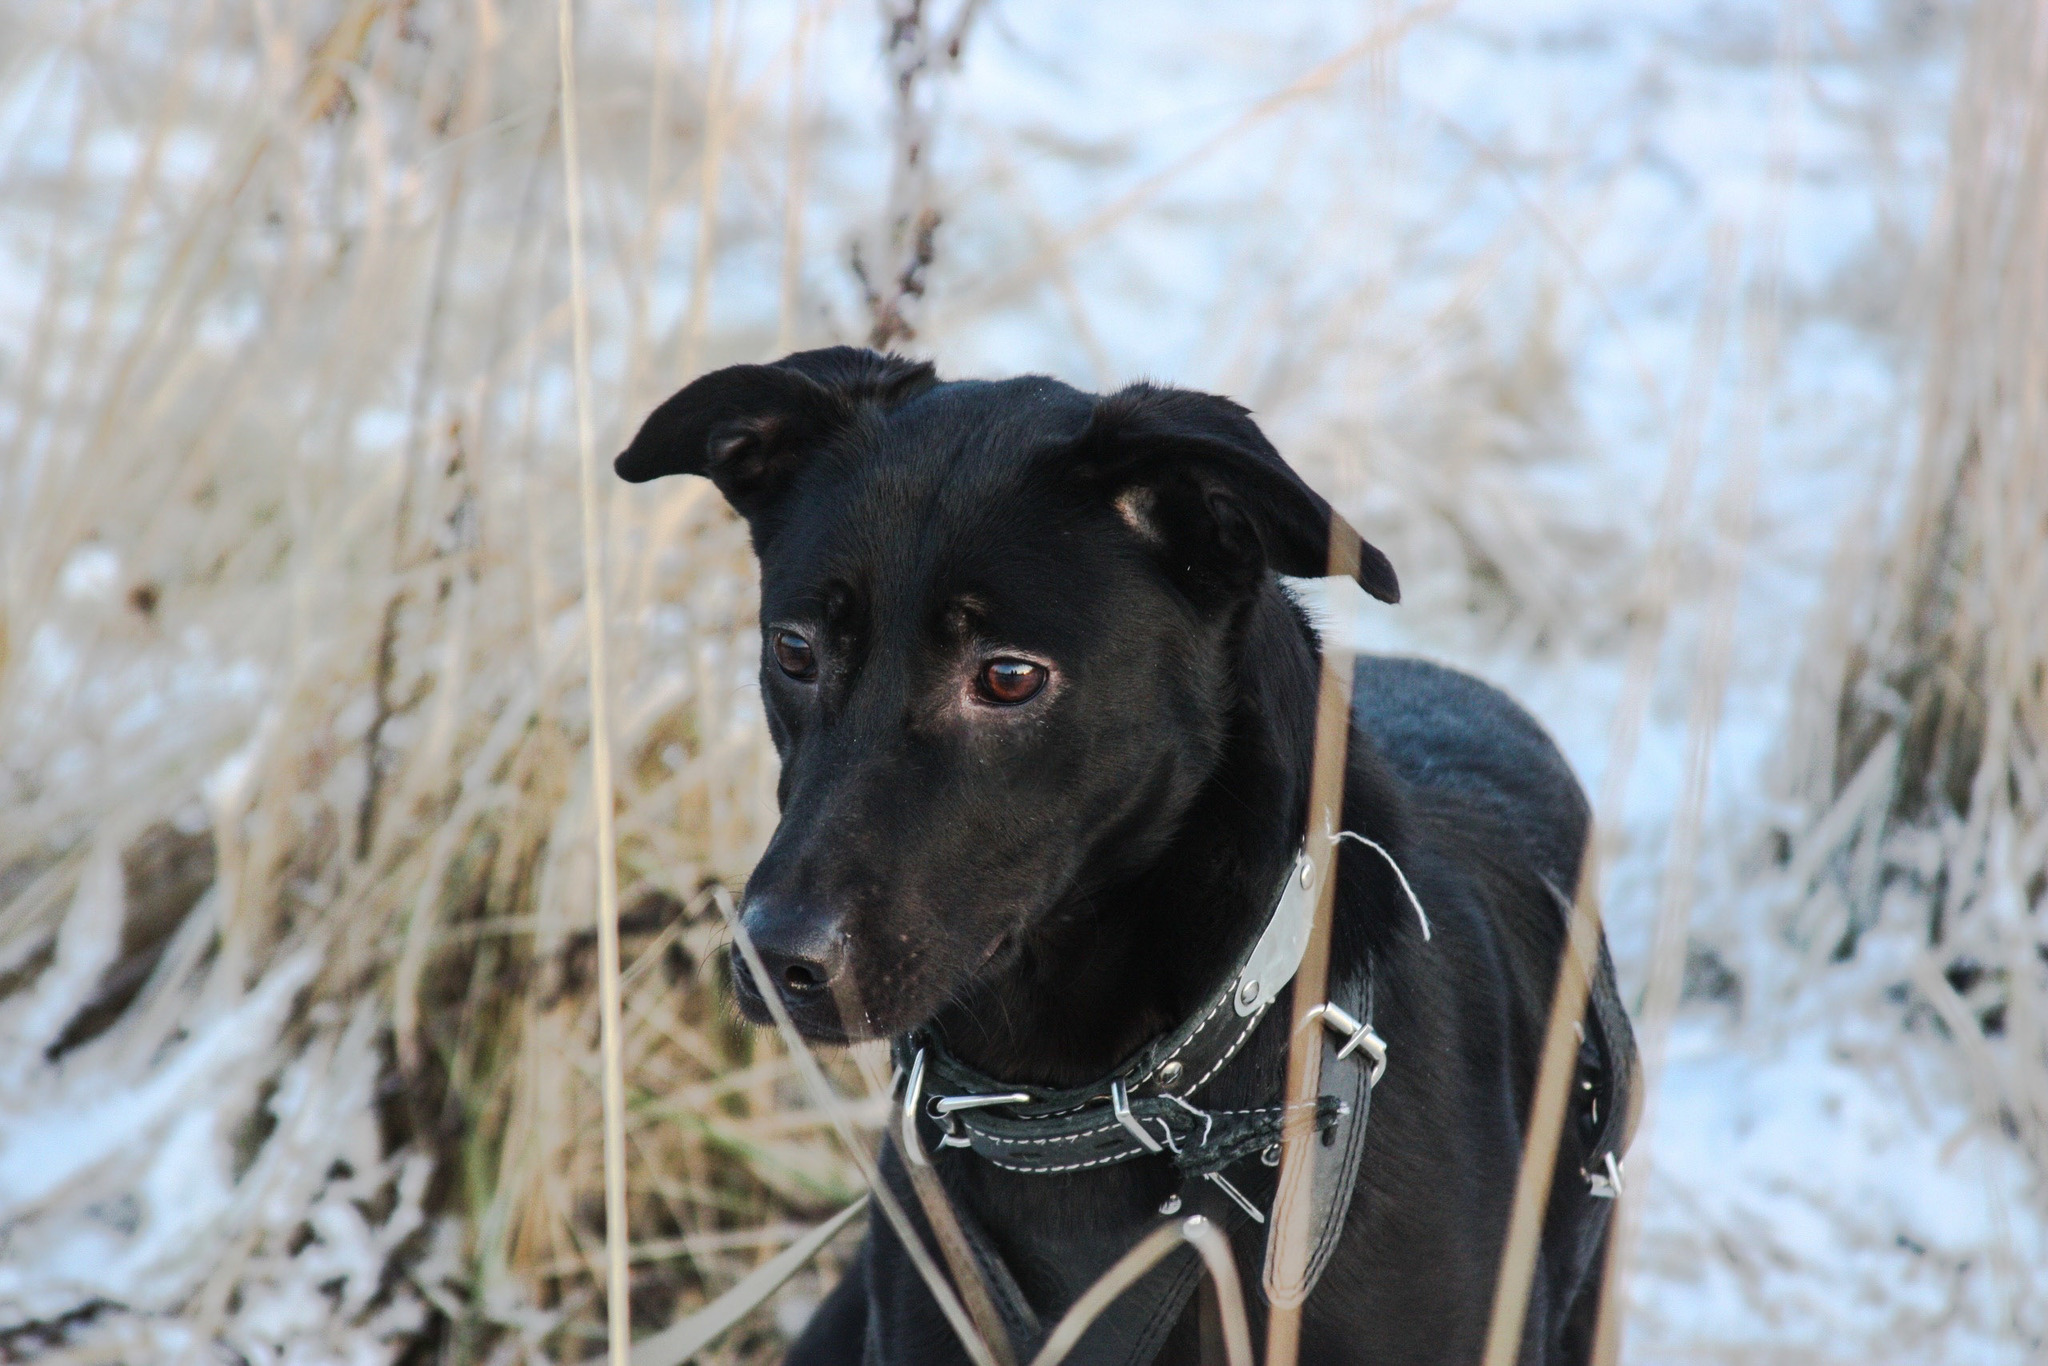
(1456, 257)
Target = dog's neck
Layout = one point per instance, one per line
(1104, 975)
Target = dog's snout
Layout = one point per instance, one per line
(803, 948)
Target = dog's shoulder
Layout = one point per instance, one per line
(1465, 743)
(1491, 814)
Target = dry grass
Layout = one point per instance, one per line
(287, 489)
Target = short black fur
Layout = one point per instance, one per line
(1053, 884)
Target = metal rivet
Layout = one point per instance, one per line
(1308, 872)
(1171, 1205)
(1248, 991)
(1169, 1075)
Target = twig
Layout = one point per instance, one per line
(710, 170)
(916, 53)
(1580, 952)
(1131, 1267)
(679, 1342)
(796, 159)
(1547, 1108)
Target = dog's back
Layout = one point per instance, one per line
(1446, 732)
(1498, 803)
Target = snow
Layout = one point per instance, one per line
(1849, 1215)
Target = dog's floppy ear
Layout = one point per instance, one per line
(1193, 475)
(750, 428)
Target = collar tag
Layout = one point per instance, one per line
(1277, 956)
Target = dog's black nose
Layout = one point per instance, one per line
(802, 947)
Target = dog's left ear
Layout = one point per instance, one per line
(1194, 476)
(750, 429)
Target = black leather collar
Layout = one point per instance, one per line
(1146, 1105)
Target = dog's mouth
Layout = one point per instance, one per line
(822, 1015)
(816, 1014)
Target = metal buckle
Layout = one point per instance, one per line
(1120, 1106)
(1605, 1185)
(1357, 1035)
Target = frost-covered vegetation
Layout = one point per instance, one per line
(1687, 359)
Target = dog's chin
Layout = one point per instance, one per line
(930, 998)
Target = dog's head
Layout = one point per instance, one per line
(995, 629)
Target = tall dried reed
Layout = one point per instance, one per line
(1926, 724)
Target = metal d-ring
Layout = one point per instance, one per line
(1357, 1036)
(913, 1087)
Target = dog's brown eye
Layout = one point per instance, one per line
(794, 654)
(1007, 682)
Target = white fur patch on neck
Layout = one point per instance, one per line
(1136, 505)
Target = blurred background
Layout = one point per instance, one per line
(1689, 359)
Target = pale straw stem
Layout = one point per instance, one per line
(618, 1314)
(1287, 1251)
(1735, 522)
(1216, 1255)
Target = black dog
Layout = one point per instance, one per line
(1046, 715)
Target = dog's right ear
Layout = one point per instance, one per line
(1194, 476)
(750, 428)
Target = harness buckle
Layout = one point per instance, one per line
(1120, 1106)
(1357, 1036)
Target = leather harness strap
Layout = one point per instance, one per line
(1605, 1081)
